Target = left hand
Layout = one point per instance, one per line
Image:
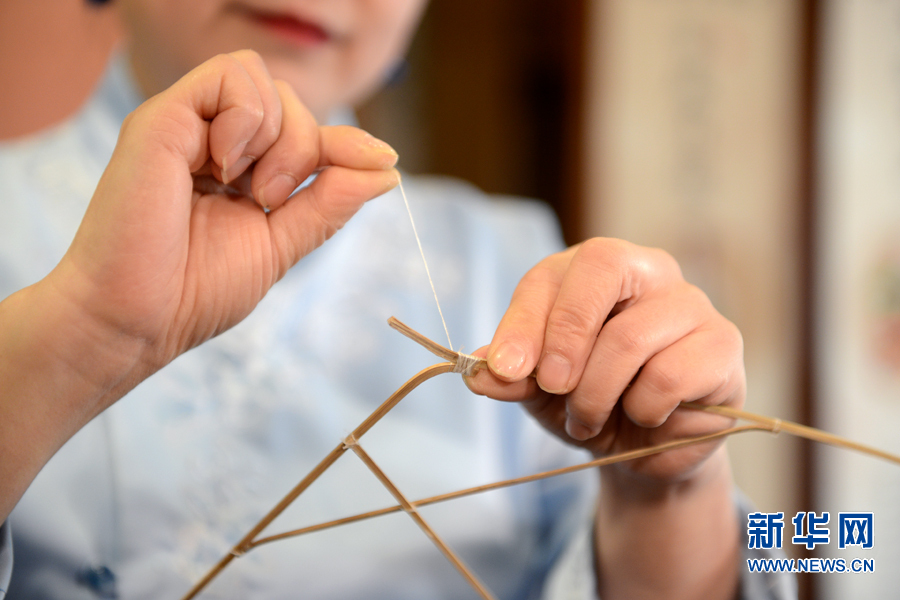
(619, 339)
(167, 255)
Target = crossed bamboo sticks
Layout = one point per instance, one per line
(458, 362)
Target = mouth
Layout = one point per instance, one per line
(293, 29)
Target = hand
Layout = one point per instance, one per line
(619, 339)
(168, 254)
(173, 248)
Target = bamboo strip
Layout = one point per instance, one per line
(242, 546)
(421, 522)
(249, 541)
(599, 462)
(803, 431)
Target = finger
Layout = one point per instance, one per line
(517, 343)
(625, 344)
(267, 132)
(227, 100)
(292, 157)
(317, 211)
(706, 365)
(602, 274)
(167, 138)
(177, 120)
(302, 147)
(354, 148)
(234, 154)
(546, 409)
(485, 383)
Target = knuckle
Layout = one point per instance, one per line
(653, 268)
(727, 337)
(235, 63)
(225, 61)
(697, 302)
(626, 340)
(568, 322)
(732, 340)
(664, 262)
(590, 413)
(537, 276)
(695, 294)
(645, 414)
(247, 55)
(665, 382)
(605, 251)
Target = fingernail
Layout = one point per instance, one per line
(374, 142)
(508, 361)
(230, 159)
(553, 374)
(391, 183)
(578, 430)
(229, 171)
(390, 155)
(278, 186)
(468, 380)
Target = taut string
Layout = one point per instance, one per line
(427, 271)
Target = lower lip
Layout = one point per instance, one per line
(295, 32)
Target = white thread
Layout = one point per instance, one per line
(776, 426)
(465, 364)
(427, 272)
(350, 441)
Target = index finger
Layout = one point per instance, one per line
(517, 343)
(560, 306)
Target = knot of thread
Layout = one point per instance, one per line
(465, 364)
(776, 426)
(350, 441)
(238, 552)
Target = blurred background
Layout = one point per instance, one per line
(758, 141)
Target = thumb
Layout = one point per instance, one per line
(316, 212)
(357, 168)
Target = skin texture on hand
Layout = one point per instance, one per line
(168, 255)
(173, 266)
(619, 339)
